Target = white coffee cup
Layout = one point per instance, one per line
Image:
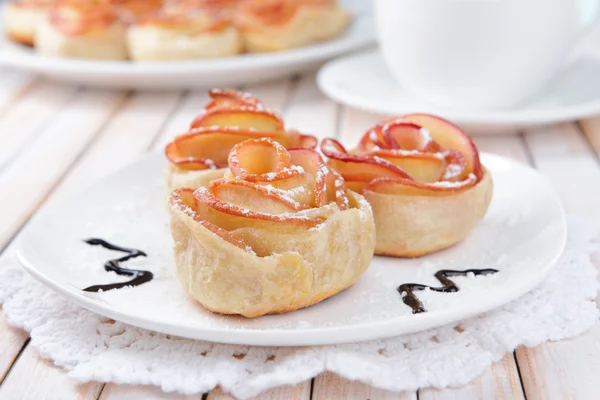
(479, 54)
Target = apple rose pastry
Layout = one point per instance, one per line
(21, 18)
(199, 156)
(279, 232)
(181, 34)
(423, 178)
(88, 29)
(275, 25)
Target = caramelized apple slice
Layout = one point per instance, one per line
(250, 195)
(183, 199)
(262, 160)
(424, 167)
(450, 137)
(405, 187)
(240, 118)
(227, 98)
(205, 147)
(358, 165)
(231, 217)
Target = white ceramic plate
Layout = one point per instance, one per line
(363, 81)
(243, 69)
(521, 236)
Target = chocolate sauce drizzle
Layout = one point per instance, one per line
(448, 286)
(139, 276)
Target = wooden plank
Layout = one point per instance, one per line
(274, 94)
(14, 83)
(501, 381)
(122, 140)
(567, 369)
(331, 386)
(38, 166)
(22, 382)
(129, 392)
(188, 108)
(354, 124)
(29, 114)
(130, 133)
(310, 111)
(296, 392)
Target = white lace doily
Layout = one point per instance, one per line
(94, 348)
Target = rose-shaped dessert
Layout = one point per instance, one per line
(423, 178)
(275, 25)
(82, 29)
(199, 156)
(179, 33)
(20, 19)
(279, 232)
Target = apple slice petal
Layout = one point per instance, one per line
(404, 187)
(184, 201)
(260, 198)
(227, 98)
(231, 217)
(451, 137)
(241, 118)
(262, 160)
(424, 167)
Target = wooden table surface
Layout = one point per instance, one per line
(56, 138)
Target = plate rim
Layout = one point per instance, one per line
(359, 35)
(497, 117)
(302, 337)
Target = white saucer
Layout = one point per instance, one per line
(522, 236)
(242, 69)
(363, 81)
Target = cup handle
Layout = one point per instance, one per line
(590, 12)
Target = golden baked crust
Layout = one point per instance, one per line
(413, 226)
(199, 156)
(183, 35)
(276, 25)
(86, 29)
(278, 233)
(423, 179)
(21, 19)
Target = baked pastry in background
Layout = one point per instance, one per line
(130, 10)
(181, 35)
(20, 19)
(200, 156)
(88, 29)
(276, 25)
(279, 232)
(423, 178)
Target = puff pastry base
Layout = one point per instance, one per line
(20, 23)
(303, 269)
(309, 25)
(177, 178)
(412, 226)
(155, 43)
(105, 44)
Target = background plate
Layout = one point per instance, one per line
(522, 236)
(243, 69)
